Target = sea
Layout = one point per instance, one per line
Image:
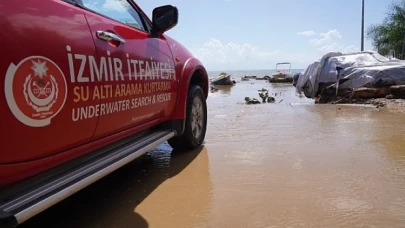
(240, 73)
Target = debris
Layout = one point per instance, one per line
(250, 76)
(264, 96)
(251, 100)
(264, 78)
(367, 93)
(281, 80)
(350, 71)
(271, 100)
(392, 96)
(223, 79)
(398, 91)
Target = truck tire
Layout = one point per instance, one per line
(196, 122)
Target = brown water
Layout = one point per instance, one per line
(289, 164)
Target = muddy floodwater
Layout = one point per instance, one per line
(287, 164)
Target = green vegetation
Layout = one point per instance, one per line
(263, 95)
(251, 100)
(389, 36)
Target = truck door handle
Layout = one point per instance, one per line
(108, 36)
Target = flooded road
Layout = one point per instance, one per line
(288, 164)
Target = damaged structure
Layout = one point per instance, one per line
(350, 77)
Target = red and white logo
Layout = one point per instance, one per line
(35, 90)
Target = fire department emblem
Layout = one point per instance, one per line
(35, 90)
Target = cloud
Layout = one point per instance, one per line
(307, 33)
(338, 47)
(331, 40)
(326, 38)
(113, 5)
(107, 6)
(217, 55)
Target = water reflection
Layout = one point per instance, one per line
(156, 190)
(222, 89)
(228, 95)
(307, 165)
(281, 85)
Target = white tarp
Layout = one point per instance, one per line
(360, 68)
(308, 80)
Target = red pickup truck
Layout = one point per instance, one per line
(86, 87)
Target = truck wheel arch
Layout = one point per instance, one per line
(200, 78)
(193, 73)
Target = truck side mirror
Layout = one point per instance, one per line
(164, 18)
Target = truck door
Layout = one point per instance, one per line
(136, 71)
(43, 79)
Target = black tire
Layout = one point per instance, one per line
(189, 140)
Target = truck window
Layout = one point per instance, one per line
(119, 10)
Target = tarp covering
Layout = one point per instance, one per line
(360, 68)
(308, 80)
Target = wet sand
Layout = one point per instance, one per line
(288, 164)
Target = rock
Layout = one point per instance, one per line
(367, 93)
(390, 96)
(271, 100)
(398, 91)
(250, 76)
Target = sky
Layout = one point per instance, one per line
(256, 34)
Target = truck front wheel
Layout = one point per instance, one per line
(196, 122)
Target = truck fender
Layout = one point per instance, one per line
(193, 72)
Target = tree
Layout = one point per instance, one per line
(389, 36)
